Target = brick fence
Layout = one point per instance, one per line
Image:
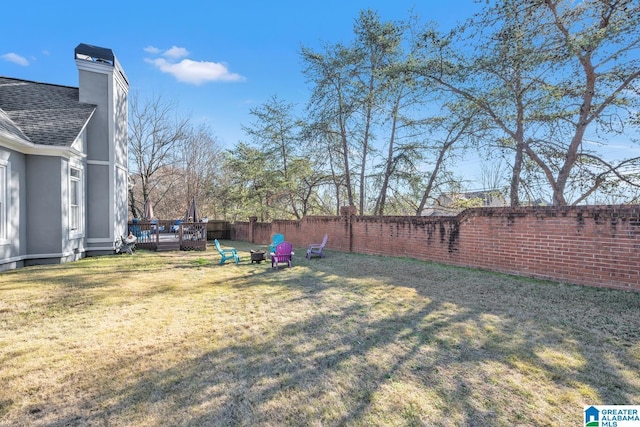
(588, 245)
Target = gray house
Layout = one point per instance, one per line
(63, 164)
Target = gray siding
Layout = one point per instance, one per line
(121, 127)
(98, 205)
(14, 248)
(94, 88)
(45, 209)
(121, 190)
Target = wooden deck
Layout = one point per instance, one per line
(163, 236)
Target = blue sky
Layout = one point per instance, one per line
(216, 59)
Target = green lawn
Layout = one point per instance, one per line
(348, 340)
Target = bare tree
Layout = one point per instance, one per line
(599, 55)
(542, 74)
(199, 158)
(154, 130)
(453, 132)
(376, 48)
(333, 101)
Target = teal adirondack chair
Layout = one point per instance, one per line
(276, 239)
(227, 254)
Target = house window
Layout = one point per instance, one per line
(75, 199)
(3, 201)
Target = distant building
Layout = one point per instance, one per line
(63, 163)
(451, 204)
(536, 202)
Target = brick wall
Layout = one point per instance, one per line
(589, 245)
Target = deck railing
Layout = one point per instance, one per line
(153, 235)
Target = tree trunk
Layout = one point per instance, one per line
(382, 198)
(432, 177)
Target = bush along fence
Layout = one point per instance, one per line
(587, 245)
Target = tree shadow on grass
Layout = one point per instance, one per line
(584, 342)
(343, 368)
(434, 346)
(293, 379)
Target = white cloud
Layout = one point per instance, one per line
(152, 49)
(176, 52)
(15, 58)
(196, 72)
(176, 63)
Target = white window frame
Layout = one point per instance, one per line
(76, 211)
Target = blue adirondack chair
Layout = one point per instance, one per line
(175, 227)
(227, 253)
(275, 240)
(155, 228)
(141, 235)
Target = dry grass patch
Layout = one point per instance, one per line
(174, 339)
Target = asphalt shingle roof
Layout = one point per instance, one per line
(8, 127)
(42, 113)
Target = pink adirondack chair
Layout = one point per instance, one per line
(282, 254)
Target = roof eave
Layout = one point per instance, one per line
(86, 123)
(27, 147)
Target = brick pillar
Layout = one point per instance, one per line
(348, 212)
(252, 224)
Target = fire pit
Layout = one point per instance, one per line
(257, 256)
